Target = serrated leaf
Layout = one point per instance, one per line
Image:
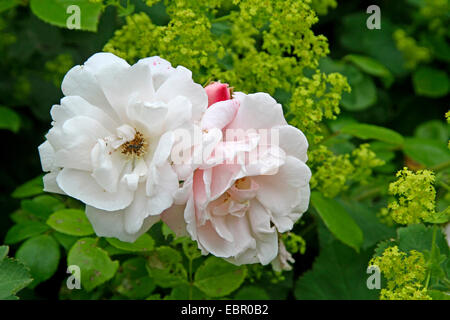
(55, 12)
(132, 279)
(338, 273)
(165, 267)
(419, 237)
(9, 119)
(95, 264)
(40, 254)
(369, 131)
(22, 231)
(337, 220)
(427, 152)
(217, 278)
(14, 276)
(142, 244)
(71, 221)
(430, 82)
(29, 188)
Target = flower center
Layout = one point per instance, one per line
(136, 147)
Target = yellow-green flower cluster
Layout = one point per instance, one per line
(58, 67)
(405, 274)
(294, 243)
(364, 160)
(414, 196)
(322, 6)
(436, 11)
(411, 51)
(254, 45)
(332, 173)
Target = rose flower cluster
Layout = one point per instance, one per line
(143, 143)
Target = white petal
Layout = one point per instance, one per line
(47, 155)
(82, 186)
(161, 69)
(111, 224)
(107, 165)
(73, 106)
(220, 114)
(179, 112)
(174, 218)
(79, 81)
(148, 115)
(257, 111)
(293, 142)
(120, 82)
(80, 135)
(266, 236)
(50, 184)
(180, 83)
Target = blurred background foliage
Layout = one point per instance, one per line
(389, 88)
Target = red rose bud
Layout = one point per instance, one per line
(217, 91)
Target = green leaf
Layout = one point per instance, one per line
(166, 268)
(8, 4)
(430, 82)
(142, 244)
(3, 252)
(338, 273)
(22, 231)
(251, 293)
(217, 278)
(419, 237)
(41, 255)
(71, 221)
(374, 231)
(55, 12)
(427, 152)
(362, 96)
(369, 131)
(14, 276)
(132, 279)
(433, 130)
(95, 264)
(65, 240)
(369, 65)
(337, 220)
(42, 206)
(186, 292)
(9, 119)
(29, 188)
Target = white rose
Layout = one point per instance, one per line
(112, 136)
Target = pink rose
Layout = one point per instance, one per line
(254, 185)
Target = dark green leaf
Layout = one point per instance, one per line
(369, 131)
(217, 278)
(24, 231)
(41, 255)
(430, 82)
(95, 265)
(337, 220)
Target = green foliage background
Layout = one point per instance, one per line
(370, 102)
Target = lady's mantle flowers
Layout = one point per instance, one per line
(112, 136)
(115, 144)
